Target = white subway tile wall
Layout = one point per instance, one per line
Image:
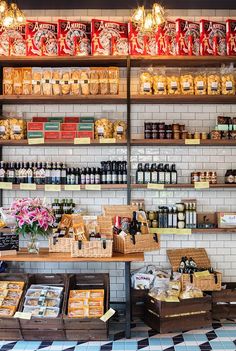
(220, 247)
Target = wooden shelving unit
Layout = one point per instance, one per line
(183, 99)
(185, 186)
(59, 142)
(82, 187)
(182, 142)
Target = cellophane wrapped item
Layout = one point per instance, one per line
(119, 130)
(187, 82)
(94, 86)
(191, 292)
(84, 81)
(113, 80)
(46, 81)
(173, 82)
(200, 82)
(213, 82)
(103, 129)
(17, 129)
(36, 80)
(145, 83)
(56, 81)
(75, 82)
(227, 80)
(26, 81)
(8, 81)
(17, 81)
(104, 81)
(160, 82)
(4, 129)
(65, 81)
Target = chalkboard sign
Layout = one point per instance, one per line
(9, 241)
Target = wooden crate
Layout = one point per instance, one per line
(87, 328)
(96, 248)
(120, 210)
(221, 307)
(136, 243)
(41, 328)
(137, 302)
(166, 317)
(59, 244)
(211, 282)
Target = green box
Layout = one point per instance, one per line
(32, 135)
(85, 127)
(56, 119)
(223, 127)
(52, 126)
(86, 119)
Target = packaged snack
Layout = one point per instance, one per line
(17, 81)
(142, 281)
(56, 81)
(187, 83)
(44, 312)
(94, 81)
(4, 129)
(17, 129)
(51, 312)
(113, 80)
(15, 285)
(98, 293)
(73, 38)
(146, 81)
(75, 303)
(36, 80)
(3, 292)
(26, 81)
(96, 302)
(7, 311)
(187, 37)
(166, 39)
(77, 312)
(14, 294)
(95, 311)
(160, 82)
(103, 129)
(12, 41)
(3, 284)
(84, 81)
(5, 302)
(231, 37)
(173, 82)
(227, 80)
(46, 81)
(104, 81)
(79, 294)
(106, 35)
(119, 130)
(66, 81)
(41, 38)
(75, 82)
(139, 43)
(191, 292)
(213, 83)
(7, 81)
(200, 83)
(212, 38)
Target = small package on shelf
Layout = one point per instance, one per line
(227, 80)
(41, 38)
(56, 81)
(104, 81)
(187, 37)
(66, 81)
(4, 129)
(84, 82)
(46, 81)
(36, 80)
(166, 39)
(12, 41)
(212, 38)
(214, 83)
(186, 83)
(8, 80)
(26, 81)
(103, 129)
(17, 128)
(17, 81)
(86, 303)
(200, 83)
(75, 82)
(146, 82)
(160, 82)
(173, 82)
(231, 37)
(113, 80)
(119, 130)
(7, 311)
(139, 43)
(44, 312)
(94, 81)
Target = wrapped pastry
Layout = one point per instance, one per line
(75, 82)
(16, 285)
(7, 81)
(84, 81)
(17, 81)
(119, 130)
(103, 129)
(145, 81)
(27, 81)
(9, 302)
(95, 311)
(51, 312)
(7, 311)
(36, 81)
(14, 294)
(47, 82)
(56, 81)
(79, 294)
(104, 81)
(77, 312)
(65, 81)
(96, 293)
(75, 303)
(173, 83)
(213, 84)
(200, 83)
(191, 292)
(94, 81)
(228, 84)
(186, 84)
(114, 80)
(17, 129)
(159, 84)
(4, 129)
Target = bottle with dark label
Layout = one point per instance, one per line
(103, 173)
(63, 174)
(133, 225)
(124, 172)
(2, 171)
(120, 173)
(167, 174)
(140, 174)
(87, 175)
(114, 174)
(77, 176)
(92, 176)
(68, 176)
(21, 172)
(83, 176)
(173, 176)
(17, 168)
(108, 172)
(154, 173)
(147, 174)
(37, 178)
(58, 173)
(161, 173)
(72, 176)
(11, 173)
(53, 173)
(97, 176)
(48, 173)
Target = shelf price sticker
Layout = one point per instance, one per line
(35, 141)
(192, 142)
(27, 186)
(93, 187)
(72, 187)
(5, 186)
(171, 231)
(201, 185)
(81, 141)
(23, 315)
(52, 187)
(155, 186)
(108, 141)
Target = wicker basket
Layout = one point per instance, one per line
(211, 282)
(97, 248)
(136, 243)
(59, 244)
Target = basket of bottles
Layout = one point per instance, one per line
(195, 266)
(131, 231)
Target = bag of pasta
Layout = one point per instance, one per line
(7, 81)
(36, 81)
(56, 81)
(114, 80)
(27, 81)
(213, 83)
(17, 81)
(119, 130)
(186, 83)
(65, 81)
(227, 80)
(4, 129)
(94, 81)
(200, 83)
(104, 81)
(75, 82)
(173, 82)
(84, 81)
(103, 129)
(47, 81)
(17, 128)
(160, 82)
(145, 83)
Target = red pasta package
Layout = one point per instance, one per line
(41, 38)
(140, 44)
(12, 41)
(166, 39)
(187, 37)
(231, 37)
(73, 38)
(212, 38)
(109, 38)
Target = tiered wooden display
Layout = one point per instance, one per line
(224, 302)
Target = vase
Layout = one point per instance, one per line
(33, 245)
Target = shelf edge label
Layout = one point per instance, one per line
(72, 187)
(35, 141)
(156, 186)
(171, 231)
(52, 187)
(201, 185)
(5, 186)
(28, 186)
(93, 187)
(108, 141)
(192, 142)
(81, 141)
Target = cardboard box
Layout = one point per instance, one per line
(86, 119)
(52, 135)
(69, 127)
(166, 39)
(39, 126)
(71, 119)
(85, 134)
(56, 119)
(31, 135)
(85, 127)
(187, 37)
(52, 126)
(231, 37)
(40, 119)
(212, 38)
(226, 219)
(68, 134)
(140, 44)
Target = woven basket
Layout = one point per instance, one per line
(211, 282)
(99, 248)
(59, 244)
(136, 243)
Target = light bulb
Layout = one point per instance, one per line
(20, 17)
(138, 15)
(8, 19)
(148, 23)
(13, 6)
(3, 6)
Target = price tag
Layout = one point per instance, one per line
(25, 186)
(5, 186)
(108, 315)
(23, 315)
(35, 141)
(172, 299)
(71, 187)
(192, 141)
(79, 141)
(93, 187)
(201, 185)
(155, 186)
(174, 231)
(108, 141)
(201, 274)
(52, 187)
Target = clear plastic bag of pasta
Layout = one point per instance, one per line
(160, 82)
(119, 130)
(227, 80)
(200, 82)
(213, 82)
(173, 82)
(145, 83)
(186, 82)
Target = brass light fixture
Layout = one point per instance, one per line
(147, 21)
(10, 14)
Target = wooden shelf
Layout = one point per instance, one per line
(82, 187)
(183, 99)
(58, 142)
(45, 256)
(65, 99)
(181, 142)
(185, 231)
(184, 186)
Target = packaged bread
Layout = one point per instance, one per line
(84, 81)
(145, 83)
(227, 80)
(27, 81)
(47, 81)
(75, 82)
(187, 84)
(200, 83)
(56, 81)
(103, 129)
(17, 81)
(104, 80)
(65, 81)
(4, 129)
(7, 311)
(191, 292)
(173, 83)
(114, 80)
(7, 81)
(94, 81)
(213, 83)
(77, 312)
(17, 129)
(36, 80)
(119, 130)
(79, 294)
(159, 84)
(95, 311)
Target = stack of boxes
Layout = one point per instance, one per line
(61, 127)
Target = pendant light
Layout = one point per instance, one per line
(148, 21)
(11, 15)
